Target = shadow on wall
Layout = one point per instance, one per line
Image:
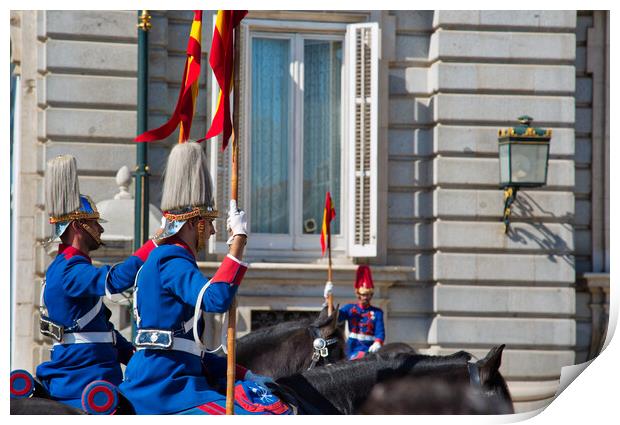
(545, 238)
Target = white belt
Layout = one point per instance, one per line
(180, 344)
(87, 338)
(361, 337)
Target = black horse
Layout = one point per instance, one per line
(41, 406)
(291, 347)
(397, 347)
(412, 395)
(430, 394)
(288, 348)
(344, 387)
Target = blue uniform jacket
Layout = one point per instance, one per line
(159, 381)
(73, 286)
(365, 327)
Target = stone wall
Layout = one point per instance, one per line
(455, 79)
(592, 177)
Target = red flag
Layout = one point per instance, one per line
(329, 213)
(184, 111)
(221, 60)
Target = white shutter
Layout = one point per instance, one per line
(362, 44)
(221, 161)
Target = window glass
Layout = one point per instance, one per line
(270, 135)
(321, 132)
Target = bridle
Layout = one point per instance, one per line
(320, 346)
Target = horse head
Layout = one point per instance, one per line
(289, 347)
(328, 338)
(490, 381)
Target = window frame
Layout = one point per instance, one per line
(263, 247)
(295, 243)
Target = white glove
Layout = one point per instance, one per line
(374, 347)
(329, 287)
(236, 223)
(259, 379)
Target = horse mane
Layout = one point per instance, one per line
(274, 333)
(395, 363)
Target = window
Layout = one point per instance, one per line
(294, 136)
(295, 132)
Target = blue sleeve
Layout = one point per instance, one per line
(82, 279)
(182, 277)
(380, 329)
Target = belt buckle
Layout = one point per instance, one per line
(51, 329)
(154, 338)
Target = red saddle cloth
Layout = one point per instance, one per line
(258, 399)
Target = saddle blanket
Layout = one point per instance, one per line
(250, 399)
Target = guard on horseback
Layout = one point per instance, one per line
(365, 322)
(86, 345)
(168, 373)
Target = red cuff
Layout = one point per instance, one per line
(144, 251)
(230, 271)
(380, 341)
(240, 372)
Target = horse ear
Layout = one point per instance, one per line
(491, 363)
(322, 315)
(334, 317)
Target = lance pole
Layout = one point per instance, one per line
(234, 194)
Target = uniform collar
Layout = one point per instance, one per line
(174, 240)
(69, 251)
(362, 307)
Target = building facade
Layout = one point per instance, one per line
(396, 113)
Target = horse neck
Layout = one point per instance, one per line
(341, 387)
(497, 390)
(278, 351)
(267, 338)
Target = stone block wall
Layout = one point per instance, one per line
(456, 78)
(592, 174)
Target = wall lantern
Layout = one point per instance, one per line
(523, 160)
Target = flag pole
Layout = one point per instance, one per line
(141, 198)
(234, 192)
(330, 297)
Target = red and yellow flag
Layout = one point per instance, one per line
(329, 213)
(221, 60)
(184, 111)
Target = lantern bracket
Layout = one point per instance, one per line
(510, 195)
